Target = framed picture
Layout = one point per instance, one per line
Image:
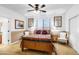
(30, 22)
(19, 24)
(58, 21)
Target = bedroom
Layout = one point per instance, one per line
(55, 19)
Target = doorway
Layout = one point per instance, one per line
(4, 36)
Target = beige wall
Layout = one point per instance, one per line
(16, 35)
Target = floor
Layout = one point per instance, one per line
(14, 49)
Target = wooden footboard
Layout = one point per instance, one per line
(37, 45)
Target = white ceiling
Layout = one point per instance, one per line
(50, 8)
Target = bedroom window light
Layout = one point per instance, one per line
(36, 12)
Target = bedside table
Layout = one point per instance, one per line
(54, 38)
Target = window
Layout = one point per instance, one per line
(43, 23)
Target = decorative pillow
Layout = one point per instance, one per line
(44, 32)
(38, 32)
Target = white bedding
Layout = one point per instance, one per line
(39, 36)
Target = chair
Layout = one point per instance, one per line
(63, 37)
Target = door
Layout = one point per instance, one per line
(0, 38)
(74, 33)
(4, 37)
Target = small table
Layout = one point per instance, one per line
(54, 38)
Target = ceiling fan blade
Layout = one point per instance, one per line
(43, 6)
(43, 10)
(30, 10)
(31, 5)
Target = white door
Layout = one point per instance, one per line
(74, 33)
(4, 30)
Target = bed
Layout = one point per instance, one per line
(40, 42)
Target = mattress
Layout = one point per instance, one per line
(38, 38)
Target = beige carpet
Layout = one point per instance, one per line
(63, 49)
(14, 49)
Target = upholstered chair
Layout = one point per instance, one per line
(63, 37)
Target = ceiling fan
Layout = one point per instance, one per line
(37, 7)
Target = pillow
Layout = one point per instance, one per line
(38, 32)
(26, 33)
(44, 32)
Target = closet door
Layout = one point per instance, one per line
(74, 33)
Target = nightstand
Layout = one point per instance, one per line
(54, 38)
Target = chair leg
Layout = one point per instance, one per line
(22, 49)
(54, 49)
(67, 42)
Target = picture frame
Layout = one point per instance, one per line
(58, 21)
(30, 22)
(19, 24)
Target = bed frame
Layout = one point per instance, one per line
(39, 44)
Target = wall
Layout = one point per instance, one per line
(70, 15)
(11, 16)
(47, 17)
(63, 22)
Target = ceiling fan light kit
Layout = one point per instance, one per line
(37, 8)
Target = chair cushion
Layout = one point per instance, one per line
(62, 35)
